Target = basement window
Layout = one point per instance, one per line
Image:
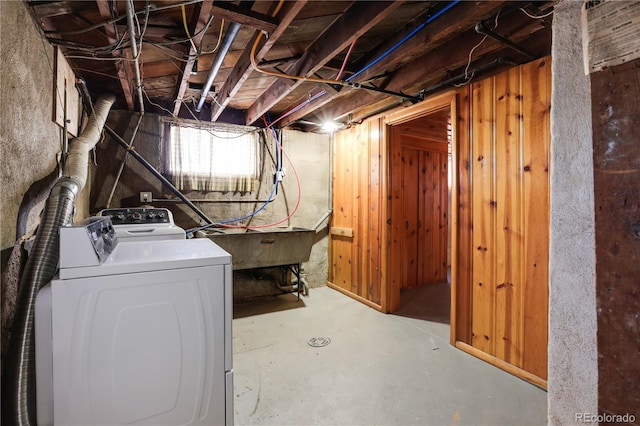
(211, 158)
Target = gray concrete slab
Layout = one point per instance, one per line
(378, 369)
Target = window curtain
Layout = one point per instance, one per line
(204, 159)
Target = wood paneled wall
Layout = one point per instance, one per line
(357, 247)
(419, 202)
(500, 235)
(501, 299)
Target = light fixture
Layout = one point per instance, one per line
(329, 126)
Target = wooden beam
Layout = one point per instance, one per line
(243, 16)
(201, 15)
(122, 68)
(429, 67)
(357, 20)
(453, 22)
(466, 15)
(243, 69)
(57, 8)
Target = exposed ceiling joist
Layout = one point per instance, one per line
(357, 20)
(431, 34)
(242, 69)
(56, 8)
(122, 69)
(200, 19)
(402, 49)
(435, 33)
(243, 16)
(433, 66)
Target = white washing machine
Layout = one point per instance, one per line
(141, 335)
(144, 223)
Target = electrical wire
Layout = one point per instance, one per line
(295, 208)
(153, 103)
(173, 54)
(254, 63)
(82, 47)
(537, 17)
(225, 223)
(466, 69)
(97, 73)
(317, 95)
(186, 27)
(109, 49)
(219, 39)
(116, 19)
(346, 59)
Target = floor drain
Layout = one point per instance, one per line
(318, 342)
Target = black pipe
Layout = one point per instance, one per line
(386, 92)
(481, 29)
(462, 77)
(157, 174)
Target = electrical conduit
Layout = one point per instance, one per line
(19, 381)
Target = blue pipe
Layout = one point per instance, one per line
(269, 199)
(384, 55)
(405, 38)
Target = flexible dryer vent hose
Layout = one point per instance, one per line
(18, 387)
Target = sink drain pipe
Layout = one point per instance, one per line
(19, 378)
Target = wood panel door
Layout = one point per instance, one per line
(357, 249)
(500, 300)
(419, 204)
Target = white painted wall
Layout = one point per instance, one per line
(573, 363)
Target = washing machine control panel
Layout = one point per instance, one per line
(138, 215)
(87, 242)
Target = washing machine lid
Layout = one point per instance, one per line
(144, 256)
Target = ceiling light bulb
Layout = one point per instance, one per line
(330, 126)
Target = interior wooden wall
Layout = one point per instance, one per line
(357, 246)
(501, 300)
(419, 200)
(501, 224)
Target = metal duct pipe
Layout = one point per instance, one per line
(19, 381)
(231, 34)
(134, 52)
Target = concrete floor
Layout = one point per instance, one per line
(377, 369)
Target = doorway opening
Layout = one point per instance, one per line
(421, 151)
(426, 131)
